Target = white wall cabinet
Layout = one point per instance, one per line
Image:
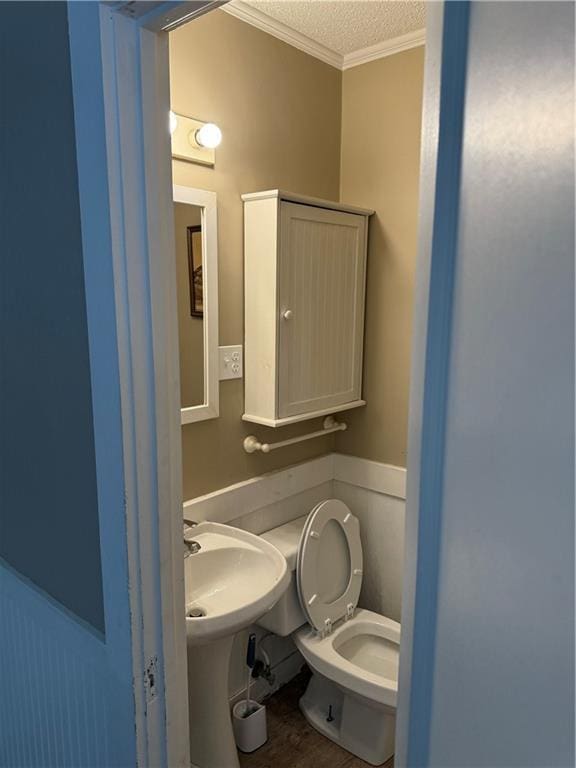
(304, 289)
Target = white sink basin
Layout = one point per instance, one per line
(231, 581)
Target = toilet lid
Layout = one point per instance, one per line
(329, 564)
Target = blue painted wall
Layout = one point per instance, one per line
(66, 687)
(503, 668)
(48, 504)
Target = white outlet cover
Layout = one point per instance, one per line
(231, 362)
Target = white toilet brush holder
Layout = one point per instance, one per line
(249, 723)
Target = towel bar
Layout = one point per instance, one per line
(252, 444)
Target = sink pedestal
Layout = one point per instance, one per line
(212, 742)
(231, 579)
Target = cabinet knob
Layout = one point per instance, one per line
(287, 314)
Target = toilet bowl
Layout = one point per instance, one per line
(353, 653)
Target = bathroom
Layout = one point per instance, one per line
(341, 127)
(467, 539)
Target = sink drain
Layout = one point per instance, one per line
(196, 612)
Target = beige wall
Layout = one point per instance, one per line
(381, 115)
(280, 111)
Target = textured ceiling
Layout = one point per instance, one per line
(346, 26)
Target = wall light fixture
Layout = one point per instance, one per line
(194, 140)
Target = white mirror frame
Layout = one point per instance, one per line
(210, 409)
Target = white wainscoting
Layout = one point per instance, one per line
(61, 703)
(375, 493)
(238, 500)
(372, 475)
(382, 532)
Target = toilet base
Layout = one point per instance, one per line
(360, 726)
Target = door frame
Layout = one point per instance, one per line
(442, 128)
(135, 81)
(119, 61)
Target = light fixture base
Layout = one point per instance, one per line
(184, 144)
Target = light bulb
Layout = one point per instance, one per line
(209, 136)
(173, 122)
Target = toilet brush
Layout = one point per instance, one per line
(249, 717)
(250, 661)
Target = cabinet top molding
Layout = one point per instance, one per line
(292, 197)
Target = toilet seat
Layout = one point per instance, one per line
(361, 655)
(329, 565)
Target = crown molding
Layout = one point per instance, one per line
(385, 48)
(271, 26)
(277, 29)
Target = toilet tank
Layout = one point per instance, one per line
(287, 615)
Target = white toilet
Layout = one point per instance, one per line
(353, 653)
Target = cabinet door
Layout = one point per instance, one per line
(321, 308)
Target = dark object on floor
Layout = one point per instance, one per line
(292, 743)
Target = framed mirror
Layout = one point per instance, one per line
(195, 231)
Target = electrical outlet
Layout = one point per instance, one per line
(231, 362)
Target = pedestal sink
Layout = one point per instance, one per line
(232, 579)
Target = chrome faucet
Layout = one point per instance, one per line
(190, 546)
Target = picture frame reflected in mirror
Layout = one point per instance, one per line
(195, 271)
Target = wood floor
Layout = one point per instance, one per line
(292, 743)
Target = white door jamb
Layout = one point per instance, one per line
(442, 124)
(134, 75)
